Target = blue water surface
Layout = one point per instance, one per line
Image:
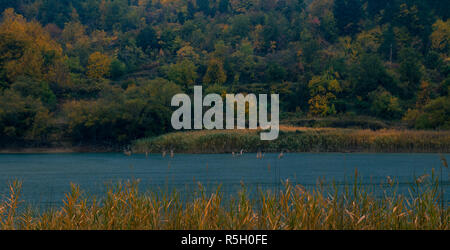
(47, 177)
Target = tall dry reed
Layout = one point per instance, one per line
(299, 140)
(292, 207)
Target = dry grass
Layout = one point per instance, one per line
(299, 139)
(293, 207)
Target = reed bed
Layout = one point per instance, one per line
(297, 139)
(290, 208)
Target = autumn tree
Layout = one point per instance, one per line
(434, 115)
(142, 110)
(440, 38)
(384, 104)
(323, 91)
(25, 48)
(99, 66)
(215, 74)
(386, 57)
(183, 73)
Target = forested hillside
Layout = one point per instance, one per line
(104, 71)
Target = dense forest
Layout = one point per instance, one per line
(104, 71)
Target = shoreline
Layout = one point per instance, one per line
(56, 150)
(299, 139)
(83, 151)
(291, 139)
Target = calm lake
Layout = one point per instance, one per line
(47, 177)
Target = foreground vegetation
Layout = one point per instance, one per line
(296, 139)
(293, 207)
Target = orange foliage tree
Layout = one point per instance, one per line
(37, 54)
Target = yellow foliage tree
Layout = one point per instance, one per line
(39, 52)
(323, 90)
(215, 74)
(440, 38)
(98, 65)
(187, 52)
(369, 41)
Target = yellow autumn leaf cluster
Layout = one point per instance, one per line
(98, 65)
(38, 51)
(440, 38)
(323, 90)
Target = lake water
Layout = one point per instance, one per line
(47, 177)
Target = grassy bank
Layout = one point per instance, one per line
(297, 139)
(293, 207)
